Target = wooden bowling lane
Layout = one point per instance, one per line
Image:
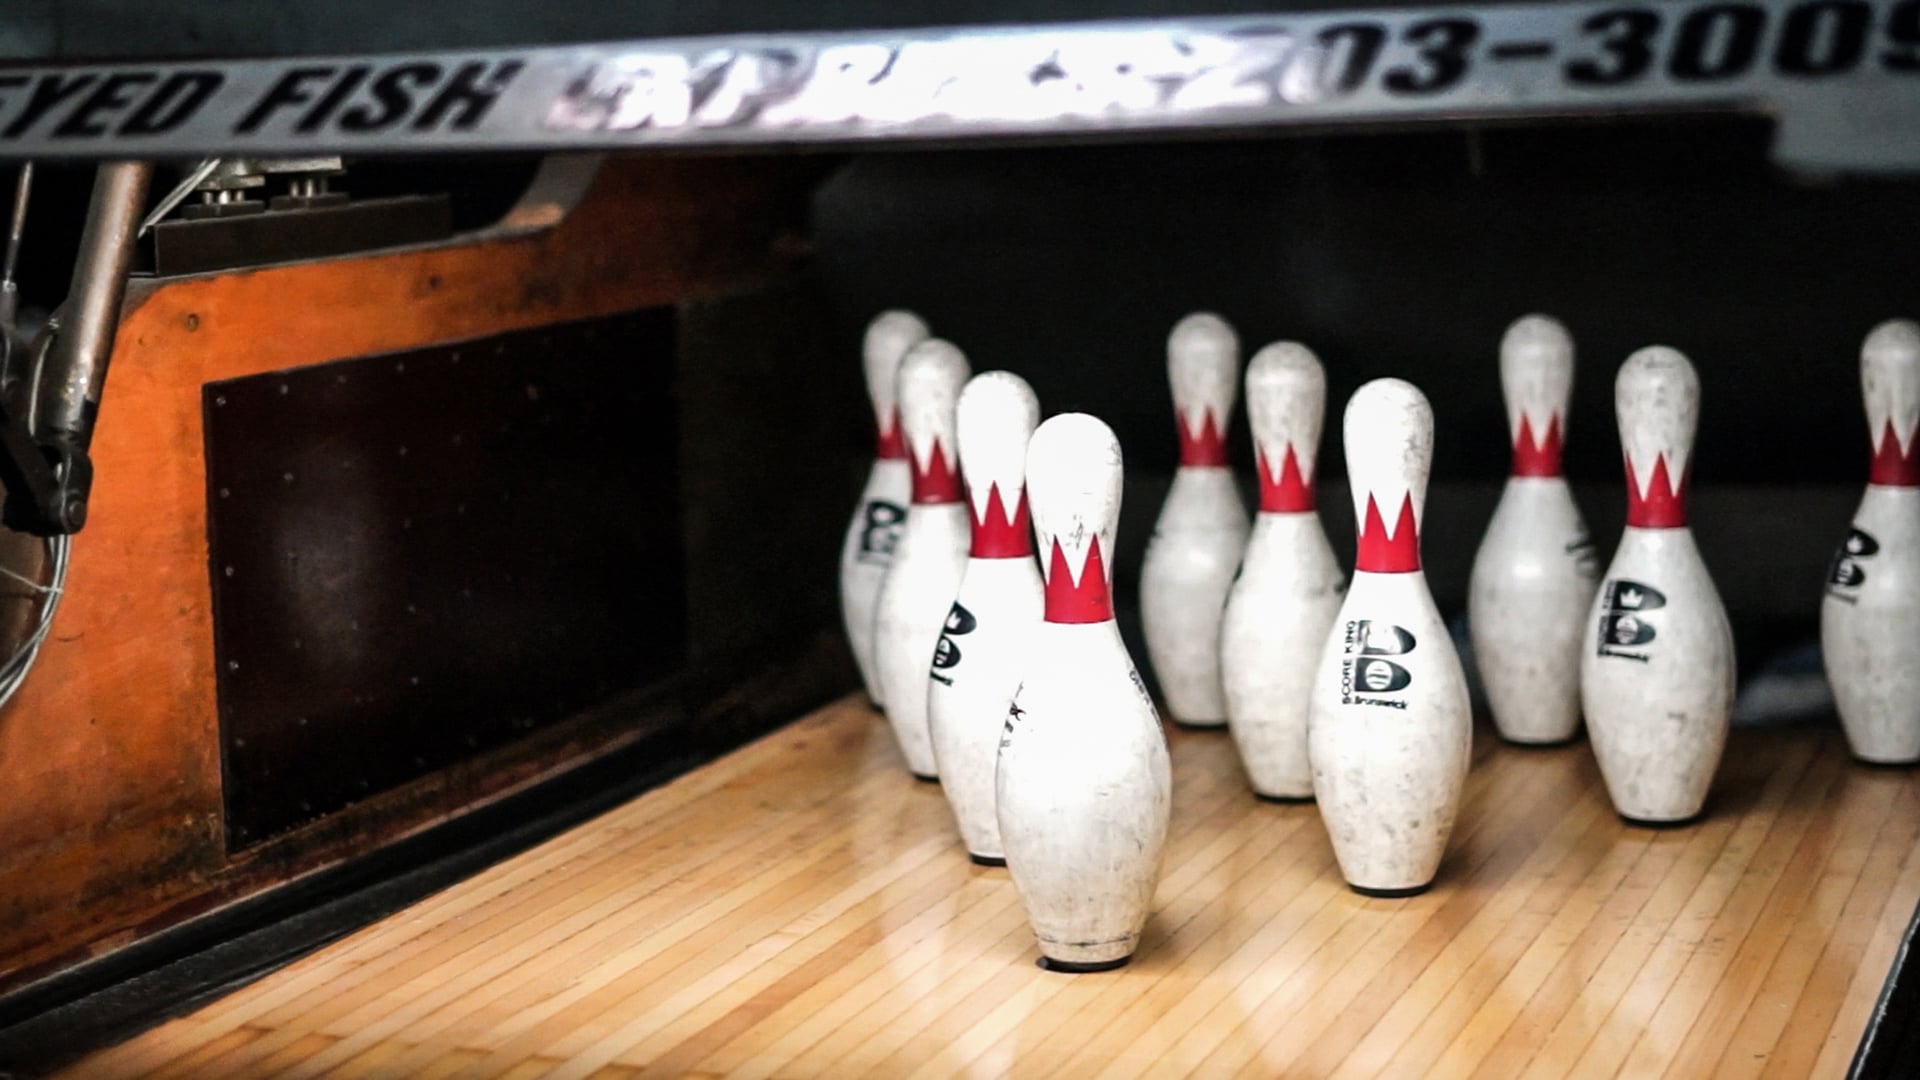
(802, 908)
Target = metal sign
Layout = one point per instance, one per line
(1841, 76)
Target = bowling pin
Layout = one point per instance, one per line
(1656, 666)
(1390, 730)
(977, 664)
(1533, 577)
(871, 535)
(1288, 591)
(1202, 528)
(1870, 619)
(1084, 783)
(932, 551)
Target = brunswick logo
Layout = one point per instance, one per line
(879, 531)
(1622, 625)
(1365, 670)
(960, 623)
(1846, 572)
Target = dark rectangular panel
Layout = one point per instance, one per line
(421, 555)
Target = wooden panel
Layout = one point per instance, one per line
(425, 555)
(110, 759)
(801, 908)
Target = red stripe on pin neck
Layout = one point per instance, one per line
(1663, 506)
(1087, 601)
(1204, 448)
(1891, 468)
(999, 535)
(1537, 456)
(1384, 552)
(892, 445)
(1289, 492)
(936, 482)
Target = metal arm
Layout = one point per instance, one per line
(43, 455)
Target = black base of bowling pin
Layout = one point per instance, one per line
(1890, 766)
(985, 860)
(1390, 894)
(1204, 725)
(1285, 800)
(1068, 967)
(923, 778)
(1670, 823)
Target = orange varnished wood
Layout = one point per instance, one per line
(110, 817)
(802, 908)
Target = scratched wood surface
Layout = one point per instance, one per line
(803, 908)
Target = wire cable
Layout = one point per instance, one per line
(14, 671)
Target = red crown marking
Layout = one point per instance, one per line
(1087, 602)
(892, 445)
(1204, 447)
(1663, 506)
(1288, 493)
(998, 536)
(1383, 552)
(939, 482)
(1891, 468)
(1537, 457)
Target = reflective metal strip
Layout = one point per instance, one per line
(1842, 76)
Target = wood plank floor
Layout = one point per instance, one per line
(802, 908)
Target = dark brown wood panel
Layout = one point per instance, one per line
(424, 555)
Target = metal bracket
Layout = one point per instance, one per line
(46, 429)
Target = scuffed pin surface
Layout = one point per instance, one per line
(1657, 663)
(1390, 731)
(1085, 784)
(987, 638)
(932, 552)
(1870, 617)
(1202, 528)
(1289, 586)
(877, 518)
(1533, 577)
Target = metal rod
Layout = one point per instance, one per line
(69, 394)
(17, 225)
(192, 180)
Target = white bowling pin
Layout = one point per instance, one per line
(1870, 620)
(932, 551)
(1656, 666)
(1084, 783)
(977, 664)
(1202, 528)
(1533, 577)
(1391, 730)
(871, 535)
(1288, 590)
